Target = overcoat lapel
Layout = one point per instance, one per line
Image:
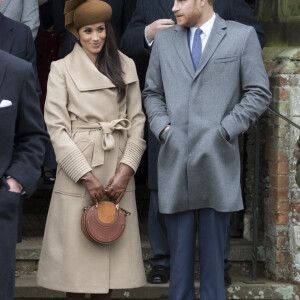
(6, 36)
(217, 34)
(87, 77)
(3, 5)
(167, 6)
(2, 72)
(182, 48)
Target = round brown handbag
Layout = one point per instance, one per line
(104, 222)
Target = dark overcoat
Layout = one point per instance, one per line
(22, 140)
(133, 45)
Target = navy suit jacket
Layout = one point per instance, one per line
(22, 134)
(16, 38)
(133, 45)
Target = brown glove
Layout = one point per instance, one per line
(93, 186)
(117, 185)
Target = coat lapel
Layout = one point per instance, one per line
(2, 72)
(182, 48)
(87, 77)
(6, 35)
(167, 6)
(217, 34)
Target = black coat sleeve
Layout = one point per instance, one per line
(133, 40)
(30, 136)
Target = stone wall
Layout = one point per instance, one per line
(281, 21)
(282, 207)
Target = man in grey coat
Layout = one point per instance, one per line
(148, 18)
(205, 83)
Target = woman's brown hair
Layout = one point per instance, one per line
(109, 61)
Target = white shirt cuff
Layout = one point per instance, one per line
(149, 44)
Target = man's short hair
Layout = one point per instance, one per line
(211, 2)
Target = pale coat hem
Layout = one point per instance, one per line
(87, 290)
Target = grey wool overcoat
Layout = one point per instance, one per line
(197, 166)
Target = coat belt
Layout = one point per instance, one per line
(104, 139)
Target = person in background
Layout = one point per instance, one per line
(94, 116)
(149, 18)
(23, 139)
(16, 39)
(23, 11)
(47, 45)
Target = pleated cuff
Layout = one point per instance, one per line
(133, 153)
(75, 165)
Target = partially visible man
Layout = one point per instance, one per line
(23, 139)
(23, 11)
(16, 38)
(149, 18)
(197, 108)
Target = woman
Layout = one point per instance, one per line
(94, 117)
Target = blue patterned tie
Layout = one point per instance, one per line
(197, 48)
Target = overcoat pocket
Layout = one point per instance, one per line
(63, 183)
(165, 134)
(225, 59)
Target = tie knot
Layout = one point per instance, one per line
(198, 31)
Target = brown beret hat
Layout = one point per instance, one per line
(79, 13)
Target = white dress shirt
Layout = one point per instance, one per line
(206, 30)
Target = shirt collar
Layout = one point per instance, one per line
(206, 27)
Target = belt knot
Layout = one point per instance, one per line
(107, 142)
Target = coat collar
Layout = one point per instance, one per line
(87, 77)
(6, 34)
(182, 47)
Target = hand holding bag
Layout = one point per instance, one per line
(104, 222)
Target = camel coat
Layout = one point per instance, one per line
(90, 130)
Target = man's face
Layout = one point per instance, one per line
(188, 13)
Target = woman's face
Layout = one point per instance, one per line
(92, 39)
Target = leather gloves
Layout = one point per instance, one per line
(117, 185)
(93, 186)
(115, 189)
